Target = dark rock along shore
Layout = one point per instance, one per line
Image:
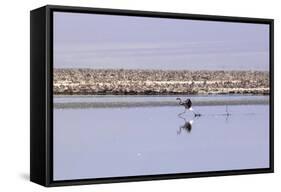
(158, 82)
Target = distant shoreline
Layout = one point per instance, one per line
(158, 82)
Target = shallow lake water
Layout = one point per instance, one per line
(128, 141)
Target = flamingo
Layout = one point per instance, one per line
(187, 105)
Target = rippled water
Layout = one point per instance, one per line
(163, 98)
(110, 142)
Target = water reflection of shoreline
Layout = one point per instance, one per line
(155, 101)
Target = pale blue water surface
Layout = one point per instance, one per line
(113, 142)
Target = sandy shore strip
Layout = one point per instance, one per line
(158, 82)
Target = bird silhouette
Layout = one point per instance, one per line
(187, 106)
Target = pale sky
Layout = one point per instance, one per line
(105, 41)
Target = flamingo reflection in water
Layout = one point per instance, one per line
(187, 126)
(188, 106)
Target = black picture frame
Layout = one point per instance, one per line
(41, 94)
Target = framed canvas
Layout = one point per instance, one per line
(123, 95)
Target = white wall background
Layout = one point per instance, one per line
(14, 97)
